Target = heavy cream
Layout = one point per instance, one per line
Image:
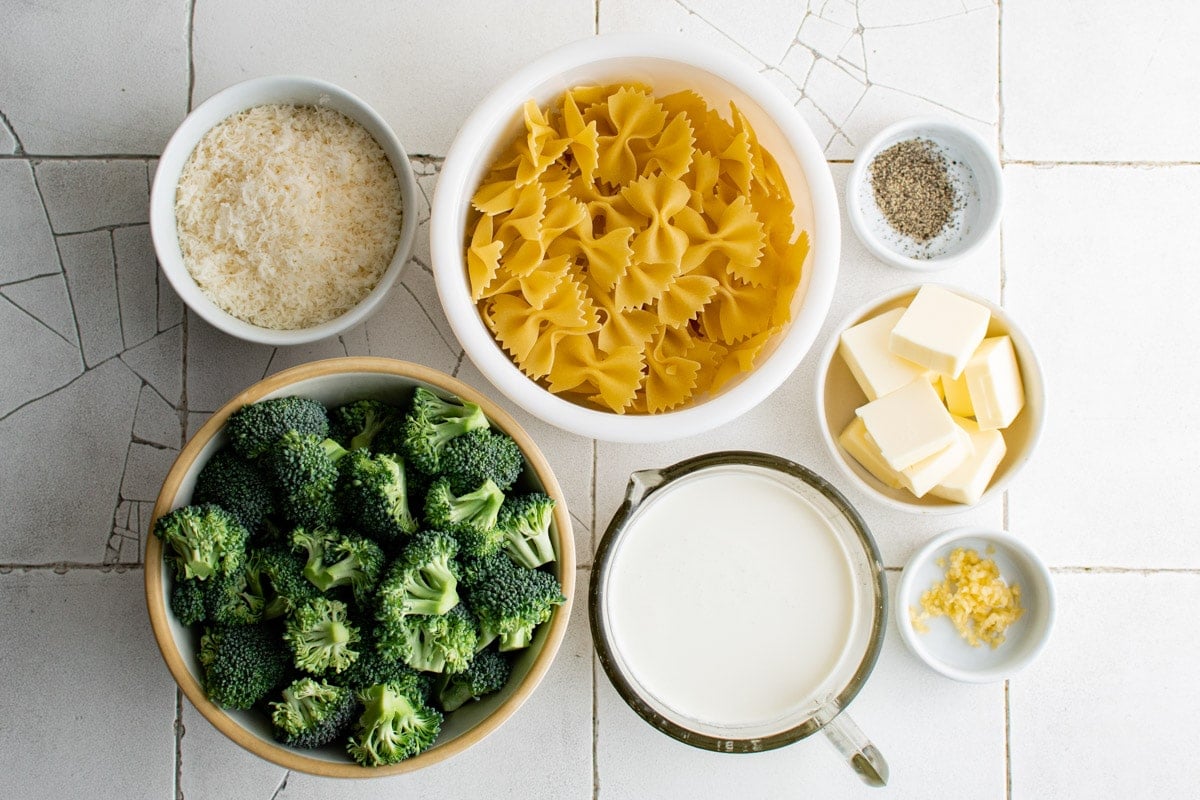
(731, 598)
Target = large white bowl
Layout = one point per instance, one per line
(282, 89)
(667, 65)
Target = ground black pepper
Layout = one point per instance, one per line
(912, 188)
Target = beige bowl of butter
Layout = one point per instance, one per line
(897, 405)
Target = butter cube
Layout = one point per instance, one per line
(908, 424)
(876, 368)
(854, 440)
(940, 330)
(929, 472)
(968, 481)
(958, 399)
(994, 383)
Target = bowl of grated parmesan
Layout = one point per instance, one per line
(283, 210)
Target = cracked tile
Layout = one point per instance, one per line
(1117, 83)
(137, 276)
(766, 31)
(46, 300)
(160, 363)
(798, 63)
(8, 142)
(131, 525)
(842, 12)
(145, 468)
(784, 84)
(155, 420)
(28, 244)
(84, 634)
(674, 18)
(94, 78)
(833, 90)
(88, 262)
(170, 307)
(70, 446)
(823, 36)
(449, 54)
(410, 324)
(951, 62)
(219, 366)
(213, 766)
(85, 195)
(823, 129)
(881, 107)
(44, 361)
(315, 351)
(887, 13)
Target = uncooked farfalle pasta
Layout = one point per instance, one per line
(634, 253)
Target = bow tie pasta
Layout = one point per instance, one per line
(633, 253)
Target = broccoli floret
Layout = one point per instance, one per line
(428, 642)
(471, 518)
(337, 559)
(321, 636)
(235, 598)
(432, 423)
(525, 524)
(187, 602)
(200, 541)
(236, 486)
(242, 664)
(395, 724)
(355, 425)
(478, 456)
(487, 673)
(421, 580)
(281, 577)
(373, 492)
(253, 429)
(510, 601)
(303, 470)
(312, 713)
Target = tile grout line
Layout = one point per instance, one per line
(1000, 79)
(595, 732)
(17, 139)
(191, 35)
(62, 270)
(1007, 743)
(596, 29)
(179, 733)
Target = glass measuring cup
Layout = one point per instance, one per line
(823, 709)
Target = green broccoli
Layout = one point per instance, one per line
(254, 429)
(200, 541)
(478, 456)
(430, 642)
(471, 518)
(236, 486)
(510, 600)
(187, 602)
(281, 576)
(242, 664)
(321, 636)
(487, 673)
(421, 580)
(373, 492)
(395, 724)
(235, 598)
(337, 559)
(431, 423)
(312, 713)
(355, 425)
(373, 667)
(525, 525)
(303, 470)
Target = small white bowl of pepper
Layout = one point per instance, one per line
(924, 193)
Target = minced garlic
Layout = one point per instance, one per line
(974, 597)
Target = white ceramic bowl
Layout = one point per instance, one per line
(975, 174)
(282, 89)
(838, 395)
(941, 647)
(667, 64)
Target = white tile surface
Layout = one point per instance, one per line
(85, 195)
(423, 67)
(1108, 710)
(94, 77)
(24, 229)
(1111, 318)
(78, 651)
(1117, 83)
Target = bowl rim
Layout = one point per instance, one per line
(446, 243)
(992, 211)
(1039, 573)
(1030, 367)
(280, 754)
(162, 210)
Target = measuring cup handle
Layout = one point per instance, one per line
(856, 748)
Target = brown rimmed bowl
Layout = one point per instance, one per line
(333, 382)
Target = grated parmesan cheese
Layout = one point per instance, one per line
(288, 215)
(975, 598)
